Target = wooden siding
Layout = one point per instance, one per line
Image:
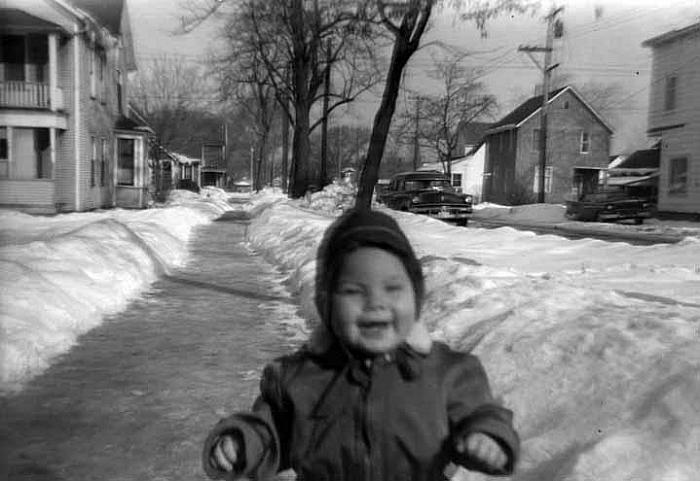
(676, 144)
(96, 117)
(33, 196)
(682, 59)
(131, 197)
(499, 166)
(99, 115)
(65, 150)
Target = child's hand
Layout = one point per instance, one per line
(226, 453)
(482, 448)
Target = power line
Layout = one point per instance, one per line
(660, 79)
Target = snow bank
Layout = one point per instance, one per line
(594, 345)
(554, 215)
(63, 274)
(549, 213)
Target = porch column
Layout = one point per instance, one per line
(10, 153)
(53, 72)
(52, 147)
(115, 170)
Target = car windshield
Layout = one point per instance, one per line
(423, 184)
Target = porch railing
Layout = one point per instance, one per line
(21, 94)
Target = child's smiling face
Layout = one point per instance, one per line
(374, 305)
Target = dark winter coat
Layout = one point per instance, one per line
(331, 417)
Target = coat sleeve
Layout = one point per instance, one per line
(471, 408)
(258, 431)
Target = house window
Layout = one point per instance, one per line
(566, 105)
(119, 90)
(126, 161)
(457, 181)
(98, 60)
(670, 94)
(4, 154)
(101, 62)
(536, 139)
(93, 76)
(12, 57)
(547, 180)
(103, 163)
(31, 154)
(678, 176)
(585, 142)
(93, 160)
(24, 58)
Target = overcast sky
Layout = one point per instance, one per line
(602, 43)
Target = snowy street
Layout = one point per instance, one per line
(594, 345)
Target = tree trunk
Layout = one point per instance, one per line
(285, 151)
(301, 149)
(324, 126)
(382, 122)
(301, 71)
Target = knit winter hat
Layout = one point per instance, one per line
(362, 228)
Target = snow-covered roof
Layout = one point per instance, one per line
(183, 159)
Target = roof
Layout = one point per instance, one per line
(473, 132)
(524, 110)
(183, 159)
(114, 16)
(672, 35)
(421, 174)
(641, 159)
(125, 123)
(639, 180)
(107, 12)
(475, 148)
(533, 105)
(18, 20)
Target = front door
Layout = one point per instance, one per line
(126, 161)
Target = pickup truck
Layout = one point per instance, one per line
(428, 193)
(605, 206)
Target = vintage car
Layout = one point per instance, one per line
(428, 193)
(609, 205)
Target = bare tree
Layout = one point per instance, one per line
(288, 37)
(245, 82)
(406, 21)
(604, 97)
(435, 120)
(170, 93)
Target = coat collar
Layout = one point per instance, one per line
(329, 352)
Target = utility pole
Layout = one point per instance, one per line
(416, 144)
(546, 74)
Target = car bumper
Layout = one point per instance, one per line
(443, 214)
(624, 215)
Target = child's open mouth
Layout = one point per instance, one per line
(373, 328)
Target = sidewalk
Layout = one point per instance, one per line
(136, 397)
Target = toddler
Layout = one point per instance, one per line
(370, 396)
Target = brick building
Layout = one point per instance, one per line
(577, 138)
